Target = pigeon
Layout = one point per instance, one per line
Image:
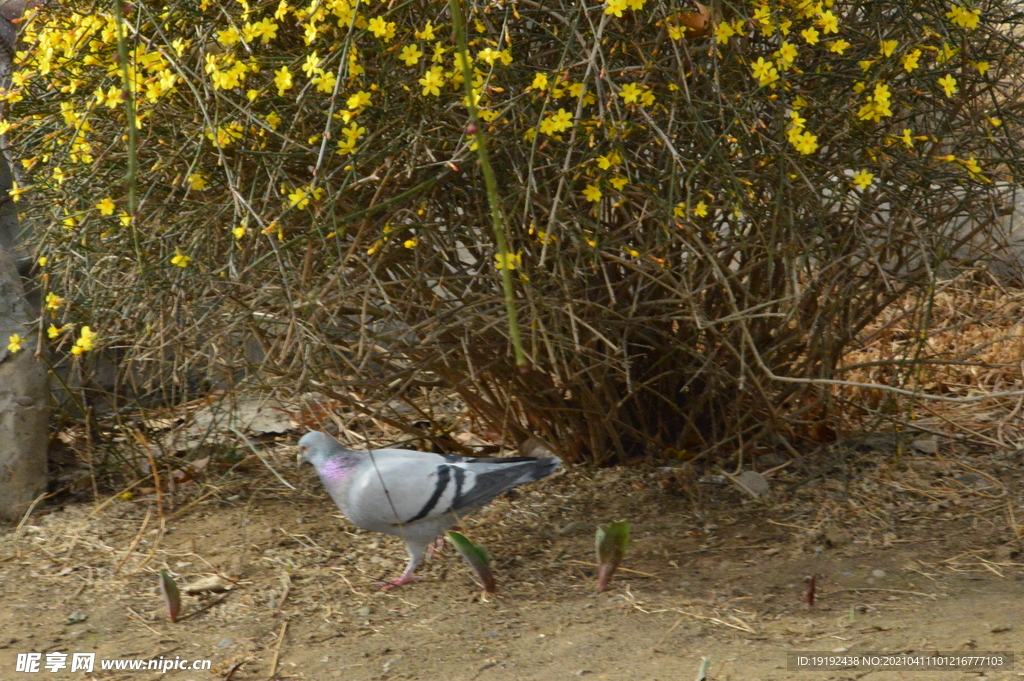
(413, 495)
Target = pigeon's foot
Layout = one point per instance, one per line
(389, 584)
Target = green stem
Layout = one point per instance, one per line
(129, 107)
(492, 185)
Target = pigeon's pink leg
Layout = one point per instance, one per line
(389, 584)
(436, 546)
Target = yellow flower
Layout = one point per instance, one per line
(906, 138)
(301, 196)
(910, 61)
(680, 210)
(630, 93)
(838, 46)
(786, 53)
(86, 341)
(701, 209)
(53, 301)
(53, 331)
(948, 83)
(877, 106)
(540, 82)
(324, 81)
(432, 81)
(510, 260)
(106, 206)
(427, 33)
(615, 7)
(179, 259)
(14, 343)
(863, 179)
(806, 143)
(273, 120)
(412, 243)
(358, 100)
(723, 32)
(972, 166)
(410, 55)
(618, 182)
(238, 232)
(592, 193)
(283, 80)
(828, 22)
(963, 17)
(197, 182)
(811, 35)
(382, 29)
(310, 65)
(42, 261)
(764, 71)
(982, 66)
(556, 122)
(946, 52)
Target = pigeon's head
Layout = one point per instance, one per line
(313, 447)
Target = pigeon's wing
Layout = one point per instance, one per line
(396, 487)
(485, 479)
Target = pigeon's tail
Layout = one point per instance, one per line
(542, 468)
(494, 476)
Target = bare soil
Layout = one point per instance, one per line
(912, 552)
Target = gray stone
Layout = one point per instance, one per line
(754, 483)
(926, 446)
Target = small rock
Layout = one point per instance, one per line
(754, 483)
(929, 446)
(77, 617)
(878, 573)
(1000, 628)
(364, 611)
(837, 536)
(213, 584)
(1005, 552)
(570, 529)
(225, 642)
(582, 672)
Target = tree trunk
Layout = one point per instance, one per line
(24, 384)
(24, 400)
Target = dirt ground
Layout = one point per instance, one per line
(913, 551)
